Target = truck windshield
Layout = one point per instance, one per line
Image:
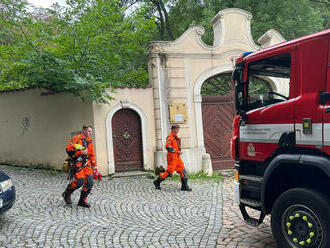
(268, 81)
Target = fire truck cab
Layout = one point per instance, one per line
(281, 139)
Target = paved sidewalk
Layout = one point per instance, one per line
(235, 233)
(126, 212)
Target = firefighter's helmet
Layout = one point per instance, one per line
(78, 147)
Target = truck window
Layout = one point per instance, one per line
(262, 75)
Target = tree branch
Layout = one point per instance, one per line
(213, 84)
(74, 46)
(84, 52)
(28, 40)
(161, 18)
(167, 20)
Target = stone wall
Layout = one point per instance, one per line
(34, 129)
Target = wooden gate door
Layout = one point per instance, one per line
(127, 140)
(218, 114)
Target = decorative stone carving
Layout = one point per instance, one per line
(155, 47)
(200, 30)
(271, 37)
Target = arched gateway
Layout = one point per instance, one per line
(186, 71)
(218, 113)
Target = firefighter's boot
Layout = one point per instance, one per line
(67, 194)
(184, 184)
(83, 199)
(157, 182)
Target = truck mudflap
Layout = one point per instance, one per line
(250, 220)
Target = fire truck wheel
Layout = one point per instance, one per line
(301, 218)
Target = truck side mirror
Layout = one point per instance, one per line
(239, 96)
(242, 122)
(236, 75)
(239, 103)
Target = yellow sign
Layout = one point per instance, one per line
(307, 126)
(178, 113)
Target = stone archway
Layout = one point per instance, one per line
(217, 114)
(110, 138)
(198, 97)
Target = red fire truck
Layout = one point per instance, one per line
(281, 139)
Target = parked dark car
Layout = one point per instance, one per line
(7, 193)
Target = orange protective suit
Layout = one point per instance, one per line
(174, 161)
(83, 163)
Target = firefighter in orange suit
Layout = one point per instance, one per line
(174, 161)
(80, 149)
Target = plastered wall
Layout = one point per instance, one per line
(34, 129)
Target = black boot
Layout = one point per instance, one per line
(157, 182)
(184, 184)
(83, 199)
(67, 195)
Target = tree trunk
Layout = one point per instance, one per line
(161, 19)
(167, 20)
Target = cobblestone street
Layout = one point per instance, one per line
(125, 212)
(234, 232)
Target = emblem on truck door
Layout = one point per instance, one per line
(251, 150)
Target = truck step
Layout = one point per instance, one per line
(252, 222)
(251, 178)
(251, 202)
(249, 220)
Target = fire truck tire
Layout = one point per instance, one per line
(301, 218)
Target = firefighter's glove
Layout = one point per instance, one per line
(170, 149)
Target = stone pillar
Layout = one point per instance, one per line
(157, 80)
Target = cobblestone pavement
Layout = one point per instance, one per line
(125, 212)
(235, 233)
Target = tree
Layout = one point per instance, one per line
(90, 46)
(83, 48)
(291, 18)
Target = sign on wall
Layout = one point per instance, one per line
(178, 113)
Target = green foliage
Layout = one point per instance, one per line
(84, 48)
(216, 176)
(200, 176)
(88, 47)
(291, 18)
(221, 85)
(151, 175)
(258, 86)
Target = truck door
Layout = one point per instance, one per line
(309, 110)
(270, 109)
